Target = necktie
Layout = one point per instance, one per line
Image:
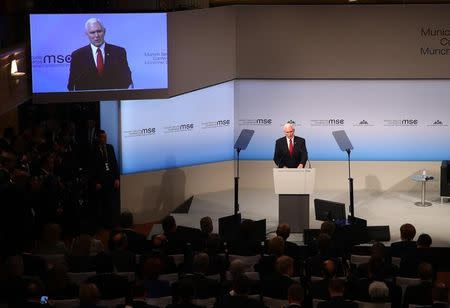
(291, 148)
(99, 62)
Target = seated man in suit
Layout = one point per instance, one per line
(336, 289)
(290, 151)
(406, 246)
(99, 65)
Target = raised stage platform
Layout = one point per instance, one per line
(378, 208)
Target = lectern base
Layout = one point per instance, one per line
(294, 210)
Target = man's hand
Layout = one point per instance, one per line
(116, 184)
(98, 186)
(300, 166)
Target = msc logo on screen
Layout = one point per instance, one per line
(139, 132)
(336, 121)
(179, 128)
(410, 122)
(51, 60)
(328, 122)
(256, 122)
(148, 131)
(216, 124)
(402, 122)
(57, 58)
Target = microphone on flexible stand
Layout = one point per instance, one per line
(309, 164)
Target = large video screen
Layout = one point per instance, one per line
(189, 129)
(98, 56)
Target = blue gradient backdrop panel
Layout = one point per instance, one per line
(384, 119)
(55, 36)
(190, 129)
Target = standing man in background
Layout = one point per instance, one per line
(290, 151)
(105, 181)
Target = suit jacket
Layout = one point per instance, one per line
(282, 158)
(98, 172)
(83, 72)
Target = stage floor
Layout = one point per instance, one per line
(378, 208)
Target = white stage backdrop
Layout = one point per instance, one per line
(194, 128)
(384, 119)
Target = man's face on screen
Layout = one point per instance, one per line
(96, 34)
(289, 132)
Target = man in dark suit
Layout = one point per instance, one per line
(98, 65)
(337, 300)
(290, 151)
(105, 180)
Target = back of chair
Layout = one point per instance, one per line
(274, 302)
(372, 305)
(159, 301)
(358, 259)
(64, 303)
(316, 302)
(205, 302)
(249, 261)
(171, 278)
(112, 303)
(79, 278)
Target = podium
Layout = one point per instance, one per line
(294, 187)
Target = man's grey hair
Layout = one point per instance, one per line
(378, 290)
(91, 21)
(289, 125)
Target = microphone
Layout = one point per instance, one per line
(309, 164)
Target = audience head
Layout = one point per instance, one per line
(424, 241)
(89, 294)
(328, 227)
(201, 263)
(336, 287)
(34, 290)
(119, 241)
(276, 246)
(158, 241)
(378, 291)
(153, 267)
(425, 271)
(329, 269)
(206, 224)
(285, 265)
(296, 294)
(102, 137)
(126, 220)
(284, 231)
(407, 232)
(237, 267)
(169, 225)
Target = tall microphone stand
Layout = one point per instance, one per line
(236, 185)
(350, 183)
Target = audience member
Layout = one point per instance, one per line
(276, 284)
(337, 289)
(296, 296)
(406, 246)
